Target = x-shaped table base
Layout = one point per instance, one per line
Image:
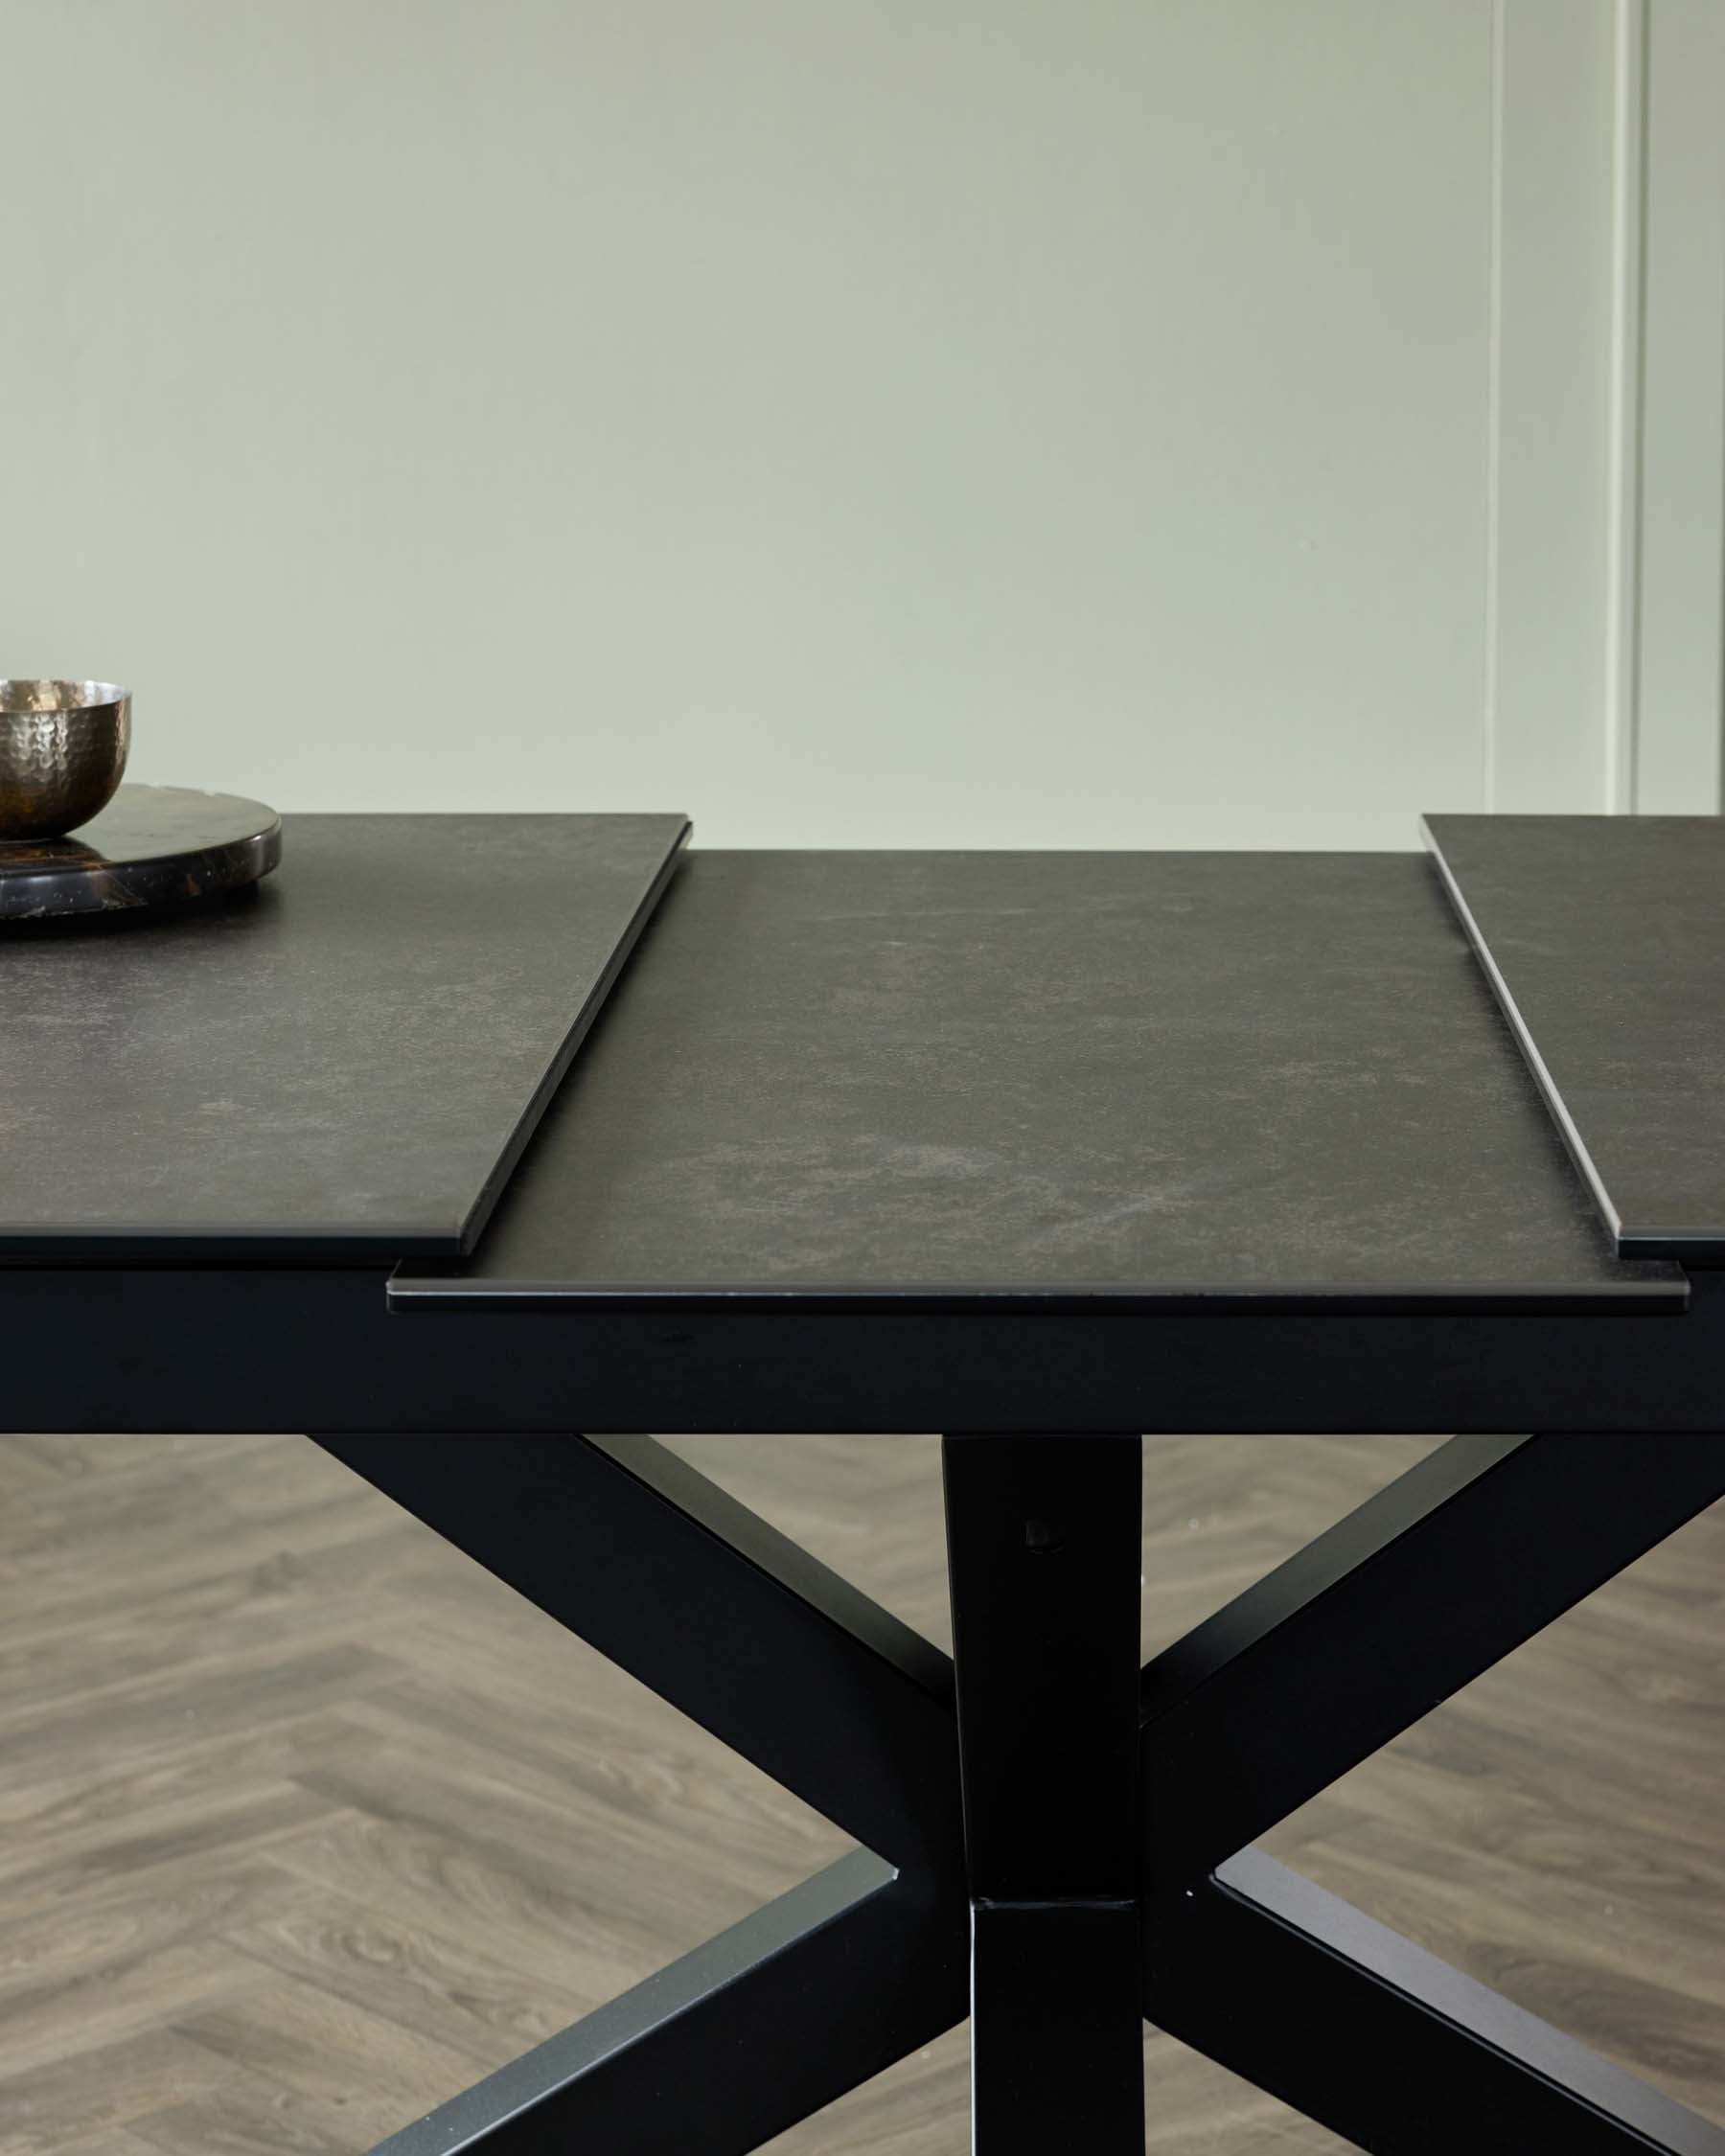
(1052, 1840)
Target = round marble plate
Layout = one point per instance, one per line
(153, 845)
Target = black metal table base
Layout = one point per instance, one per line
(1052, 1842)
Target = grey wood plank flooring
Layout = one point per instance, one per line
(304, 1822)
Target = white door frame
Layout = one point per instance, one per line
(1605, 601)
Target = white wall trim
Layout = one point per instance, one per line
(1624, 422)
(1494, 411)
(1680, 588)
(1605, 482)
(1554, 373)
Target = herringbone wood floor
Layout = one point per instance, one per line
(304, 1822)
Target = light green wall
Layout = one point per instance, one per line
(954, 422)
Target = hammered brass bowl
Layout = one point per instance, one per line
(62, 754)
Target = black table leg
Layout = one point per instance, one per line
(627, 1545)
(723, 2048)
(1042, 1542)
(1326, 1660)
(1098, 1843)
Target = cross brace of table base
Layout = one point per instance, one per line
(1051, 1840)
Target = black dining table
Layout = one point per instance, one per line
(475, 1148)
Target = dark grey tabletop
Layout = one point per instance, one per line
(342, 1065)
(1605, 940)
(980, 1078)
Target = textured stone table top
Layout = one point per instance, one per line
(974, 1079)
(341, 1063)
(1604, 939)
